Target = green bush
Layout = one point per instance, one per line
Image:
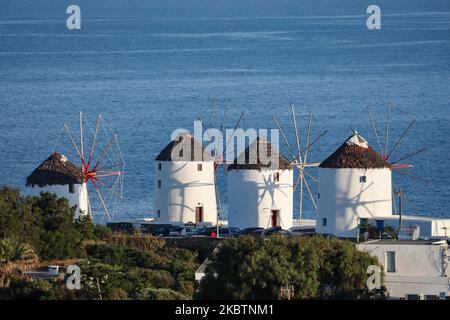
(257, 268)
(161, 294)
(35, 289)
(46, 223)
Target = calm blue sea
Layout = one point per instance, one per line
(153, 66)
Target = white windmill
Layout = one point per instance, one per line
(260, 192)
(58, 175)
(101, 163)
(355, 183)
(185, 185)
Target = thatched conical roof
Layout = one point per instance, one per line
(355, 152)
(252, 153)
(55, 170)
(189, 149)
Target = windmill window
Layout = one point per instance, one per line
(71, 188)
(159, 166)
(362, 179)
(159, 184)
(199, 167)
(318, 196)
(324, 222)
(390, 261)
(276, 177)
(158, 213)
(181, 153)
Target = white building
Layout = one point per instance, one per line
(185, 184)
(430, 227)
(259, 195)
(354, 183)
(58, 175)
(412, 268)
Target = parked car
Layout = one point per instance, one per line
(206, 231)
(224, 232)
(304, 234)
(229, 232)
(125, 227)
(163, 231)
(192, 231)
(302, 231)
(153, 229)
(179, 231)
(251, 231)
(275, 230)
(258, 232)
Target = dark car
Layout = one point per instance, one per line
(304, 234)
(153, 229)
(182, 231)
(163, 231)
(258, 233)
(275, 230)
(207, 231)
(224, 232)
(251, 231)
(302, 230)
(229, 232)
(125, 227)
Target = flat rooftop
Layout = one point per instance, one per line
(403, 242)
(406, 217)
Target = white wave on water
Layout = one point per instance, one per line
(101, 52)
(277, 35)
(121, 20)
(273, 35)
(398, 44)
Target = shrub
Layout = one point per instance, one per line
(257, 268)
(161, 294)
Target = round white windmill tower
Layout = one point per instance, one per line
(58, 175)
(354, 183)
(260, 195)
(184, 183)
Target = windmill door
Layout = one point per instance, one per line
(198, 214)
(274, 217)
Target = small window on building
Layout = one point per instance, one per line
(159, 184)
(159, 166)
(181, 153)
(158, 213)
(71, 188)
(276, 177)
(390, 261)
(213, 153)
(362, 179)
(199, 167)
(324, 222)
(318, 196)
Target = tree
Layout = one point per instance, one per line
(13, 257)
(46, 223)
(257, 268)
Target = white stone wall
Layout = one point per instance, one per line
(79, 198)
(420, 268)
(252, 194)
(343, 198)
(183, 188)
